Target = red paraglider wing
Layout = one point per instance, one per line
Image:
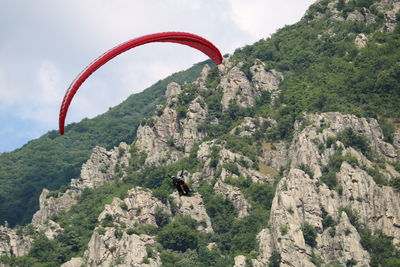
(188, 39)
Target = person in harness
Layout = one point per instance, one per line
(181, 186)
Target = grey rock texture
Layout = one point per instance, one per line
(194, 207)
(237, 87)
(172, 137)
(100, 168)
(74, 262)
(240, 261)
(303, 198)
(203, 76)
(128, 250)
(139, 207)
(173, 90)
(12, 243)
(361, 40)
(389, 8)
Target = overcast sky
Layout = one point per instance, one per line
(44, 44)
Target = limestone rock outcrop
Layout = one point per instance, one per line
(240, 261)
(98, 170)
(139, 207)
(361, 40)
(302, 198)
(12, 243)
(110, 249)
(194, 207)
(237, 87)
(172, 136)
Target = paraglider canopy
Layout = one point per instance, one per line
(184, 38)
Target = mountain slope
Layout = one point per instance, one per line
(281, 177)
(53, 160)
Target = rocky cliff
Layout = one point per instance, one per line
(303, 197)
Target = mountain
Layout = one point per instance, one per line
(52, 160)
(291, 148)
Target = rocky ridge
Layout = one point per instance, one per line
(101, 168)
(98, 170)
(118, 243)
(303, 198)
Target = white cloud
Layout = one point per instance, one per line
(261, 18)
(49, 83)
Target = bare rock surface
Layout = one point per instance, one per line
(139, 207)
(193, 206)
(302, 198)
(13, 244)
(361, 40)
(110, 249)
(240, 261)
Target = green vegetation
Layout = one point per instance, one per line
(180, 234)
(275, 260)
(238, 236)
(335, 162)
(350, 139)
(326, 72)
(307, 170)
(309, 234)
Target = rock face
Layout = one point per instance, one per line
(361, 40)
(116, 246)
(51, 206)
(98, 170)
(191, 134)
(237, 87)
(389, 8)
(344, 245)
(240, 261)
(12, 243)
(201, 81)
(74, 262)
(139, 207)
(172, 135)
(303, 202)
(127, 250)
(266, 80)
(194, 207)
(173, 90)
(302, 198)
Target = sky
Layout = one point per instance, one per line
(45, 44)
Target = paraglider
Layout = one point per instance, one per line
(188, 39)
(181, 186)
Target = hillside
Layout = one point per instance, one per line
(291, 147)
(53, 160)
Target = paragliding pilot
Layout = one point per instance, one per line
(181, 186)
